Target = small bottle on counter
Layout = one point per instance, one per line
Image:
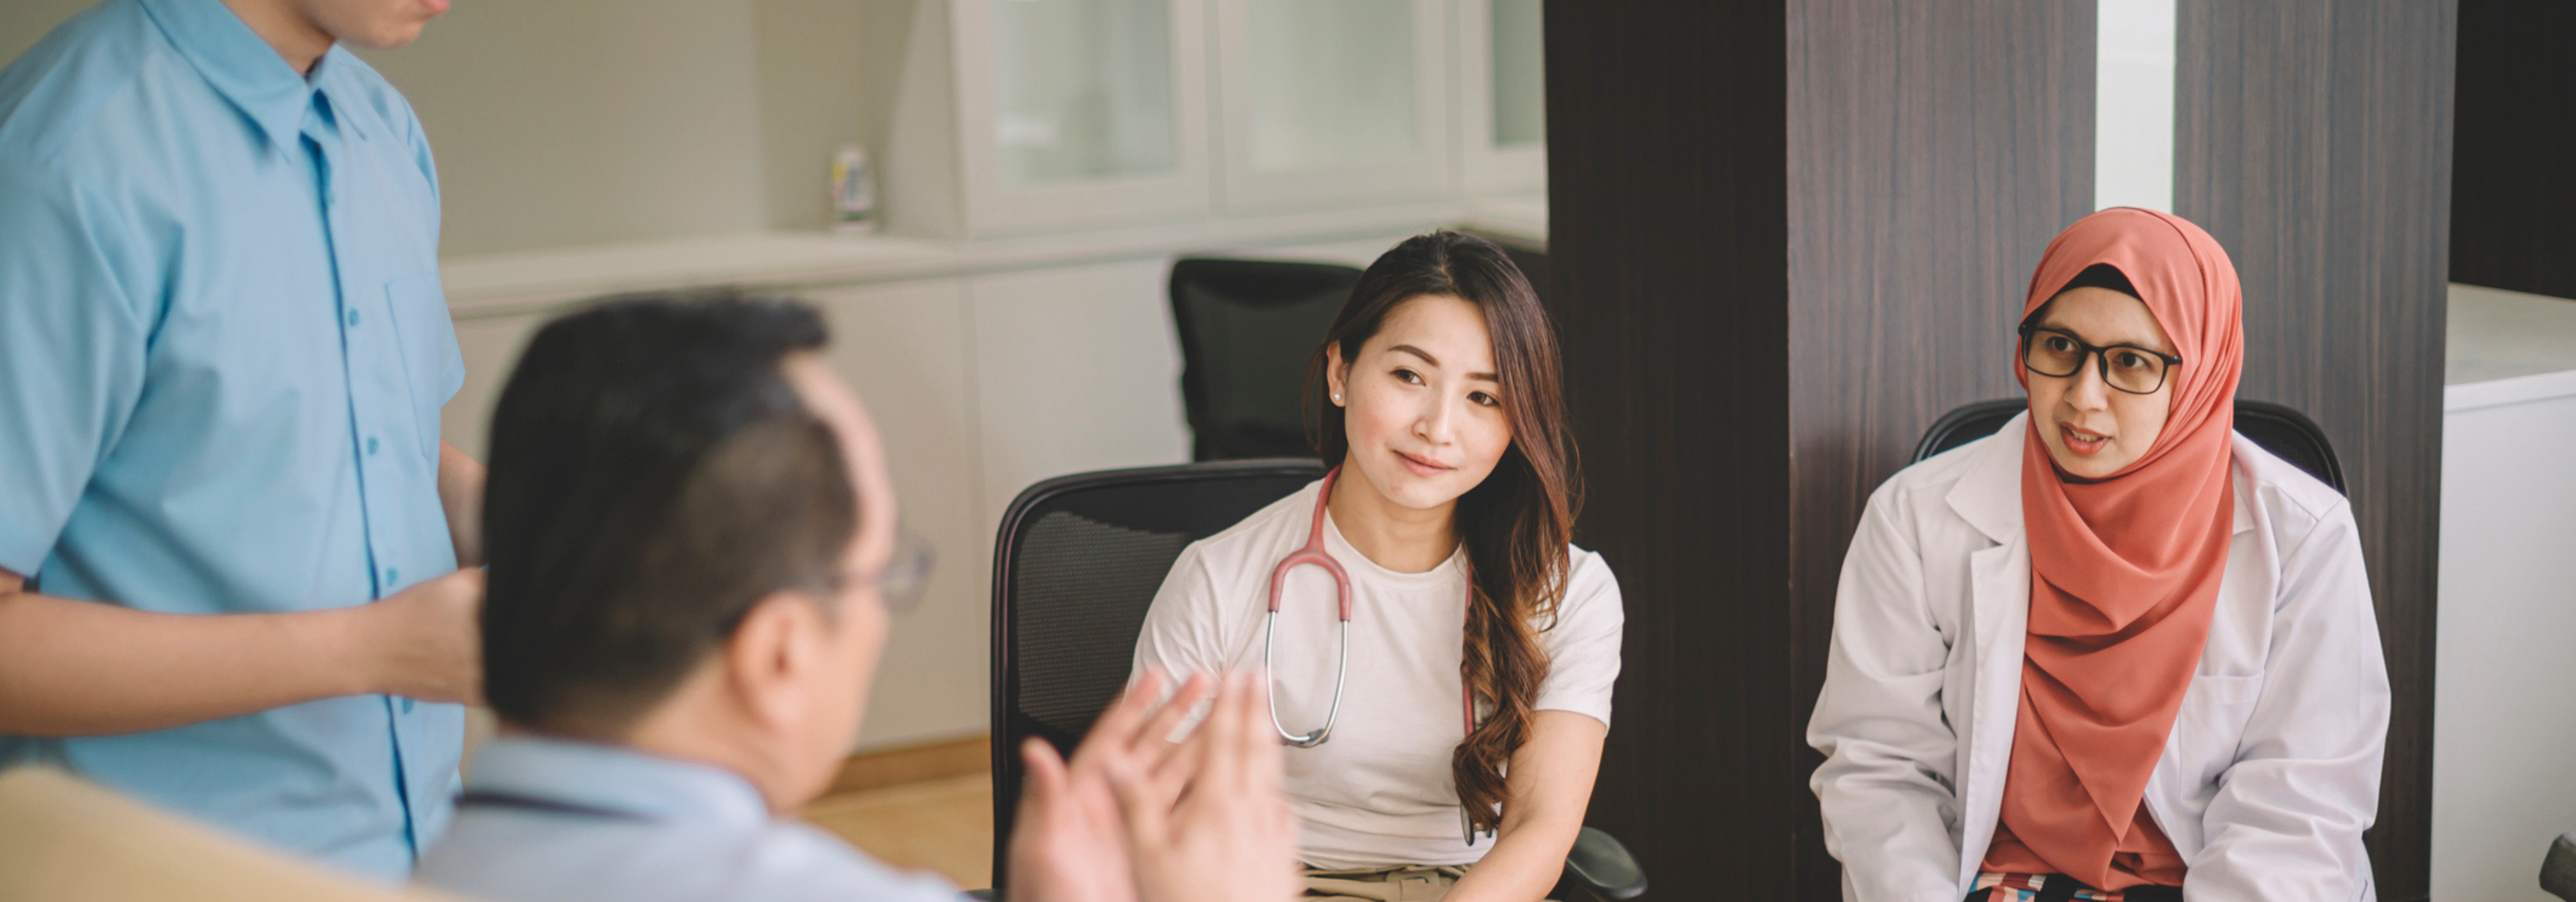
(854, 191)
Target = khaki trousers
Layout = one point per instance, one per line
(1401, 884)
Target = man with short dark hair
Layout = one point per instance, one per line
(693, 549)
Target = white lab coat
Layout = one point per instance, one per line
(2271, 772)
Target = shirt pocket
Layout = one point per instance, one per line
(2212, 723)
(432, 362)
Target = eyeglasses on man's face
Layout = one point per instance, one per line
(2129, 368)
(906, 577)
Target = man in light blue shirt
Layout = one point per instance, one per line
(694, 557)
(228, 577)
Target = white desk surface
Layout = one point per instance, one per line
(2506, 347)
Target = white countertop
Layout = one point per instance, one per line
(520, 281)
(2505, 347)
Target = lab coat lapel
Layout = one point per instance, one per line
(1988, 497)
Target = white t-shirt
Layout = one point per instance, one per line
(1377, 793)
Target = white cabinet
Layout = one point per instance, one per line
(1018, 116)
(1333, 101)
(903, 345)
(1076, 369)
(1503, 108)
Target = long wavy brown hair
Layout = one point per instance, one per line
(1517, 523)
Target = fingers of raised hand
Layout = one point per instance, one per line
(1154, 742)
(1120, 721)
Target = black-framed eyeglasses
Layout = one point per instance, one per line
(906, 577)
(2129, 368)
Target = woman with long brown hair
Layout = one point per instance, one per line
(1462, 723)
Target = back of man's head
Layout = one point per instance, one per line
(652, 477)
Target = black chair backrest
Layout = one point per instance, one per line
(1247, 328)
(2281, 430)
(1076, 565)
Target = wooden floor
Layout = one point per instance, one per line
(913, 809)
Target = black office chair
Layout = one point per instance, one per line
(1076, 565)
(1247, 328)
(2281, 430)
(2558, 871)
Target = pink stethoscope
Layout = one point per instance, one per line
(1314, 554)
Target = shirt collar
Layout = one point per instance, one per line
(617, 779)
(1988, 493)
(244, 68)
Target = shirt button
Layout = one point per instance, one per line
(353, 316)
(393, 575)
(406, 706)
(371, 444)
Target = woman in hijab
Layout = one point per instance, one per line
(2115, 651)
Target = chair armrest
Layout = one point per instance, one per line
(2558, 871)
(1601, 866)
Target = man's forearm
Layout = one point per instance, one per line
(73, 668)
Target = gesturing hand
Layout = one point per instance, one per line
(1211, 821)
(1069, 844)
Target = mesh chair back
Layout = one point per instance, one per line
(1247, 328)
(1077, 563)
(2281, 430)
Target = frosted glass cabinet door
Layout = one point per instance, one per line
(1503, 114)
(1074, 111)
(1330, 100)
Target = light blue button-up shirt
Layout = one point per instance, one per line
(548, 820)
(223, 350)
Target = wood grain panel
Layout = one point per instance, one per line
(2512, 187)
(1665, 250)
(2313, 139)
(1934, 149)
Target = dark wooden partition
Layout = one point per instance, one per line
(2513, 192)
(1666, 248)
(2313, 139)
(1784, 238)
(1932, 156)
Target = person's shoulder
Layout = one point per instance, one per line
(377, 97)
(1255, 541)
(798, 862)
(58, 95)
(1939, 472)
(1591, 590)
(2281, 496)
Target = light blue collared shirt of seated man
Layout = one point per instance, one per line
(223, 350)
(551, 820)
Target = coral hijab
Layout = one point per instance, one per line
(2124, 571)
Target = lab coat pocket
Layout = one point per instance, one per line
(432, 362)
(2212, 722)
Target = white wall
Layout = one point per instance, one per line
(584, 121)
(570, 122)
